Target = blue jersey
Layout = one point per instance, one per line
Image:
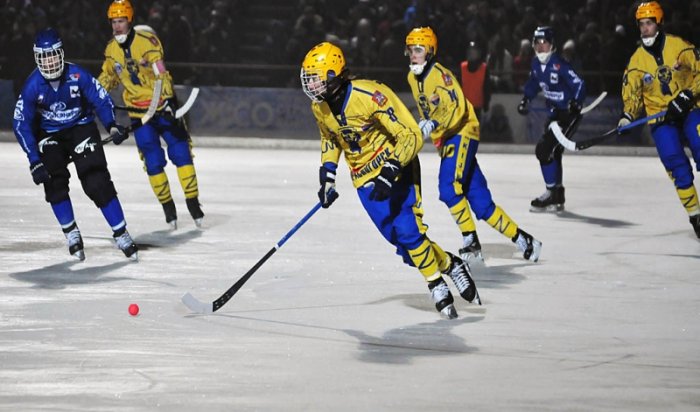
(52, 106)
(558, 81)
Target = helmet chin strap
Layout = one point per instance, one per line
(649, 41)
(417, 69)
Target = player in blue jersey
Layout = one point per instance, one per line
(366, 123)
(54, 122)
(564, 92)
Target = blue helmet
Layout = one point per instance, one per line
(544, 32)
(48, 53)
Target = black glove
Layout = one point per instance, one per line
(574, 108)
(327, 193)
(118, 133)
(522, 107)
(680, 106)
(385, 180)
(170, 106)
(39, 173)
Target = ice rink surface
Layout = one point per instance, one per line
(608, 320)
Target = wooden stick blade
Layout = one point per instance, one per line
(561, 138)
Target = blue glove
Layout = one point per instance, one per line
(118, 133)
(327, 193)
(522, 107)
(427, 127)
(384, 182)
(680, 106)
(39, 173)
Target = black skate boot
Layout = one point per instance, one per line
(195, 210)
(126, 244)
(527, 244)
(442, 297)
(460, 275)
(552, 200)
(75, 242)
(695, 221)
(471, 251)
(170, 214)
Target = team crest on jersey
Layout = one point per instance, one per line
(118, 68)
(647, 79)
(379, 98)
(74, 91)
(447, 79)
(74, 77)
(664, 74)
(58, 107)
(435, 99)
(153, 40)
(554, 78)
(556, 66)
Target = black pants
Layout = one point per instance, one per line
(82, 146)
(548, 148)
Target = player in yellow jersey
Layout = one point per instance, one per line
(449, 120)
(365, 121)
(134, 59)
(664, 74)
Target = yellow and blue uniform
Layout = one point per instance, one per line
(371, 127)
(137, 64)
(440, 99)
(653, 78)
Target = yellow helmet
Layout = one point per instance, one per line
(120, 8)
(322, 63)
(650, 10)
(423, 36)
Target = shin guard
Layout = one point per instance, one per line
(500, 221)
(188, 181)
(689, 199)
(161, 187)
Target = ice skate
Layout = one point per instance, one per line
(170, 214)
(552, 200)
(527, 244)
(75, 243)
(442, 297)
(126, 244)
(471, 251)
(459, 273)
(695, 221)
(195, 210)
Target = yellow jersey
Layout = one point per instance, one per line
(439, 97)
(372, 127)
(650, 84)
(136, 67)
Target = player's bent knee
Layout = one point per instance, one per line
(99, 188)
(543, 151)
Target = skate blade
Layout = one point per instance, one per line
(547, 209)
(472, 260)
(172, 224)
(80, 255)
(449, 312)
(198, 222)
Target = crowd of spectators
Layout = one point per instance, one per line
(598, 36)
